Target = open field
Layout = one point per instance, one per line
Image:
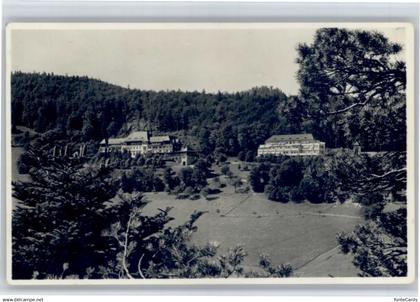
(300, 234)
(16, 152)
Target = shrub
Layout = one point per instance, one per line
(225, 169)
(182, 195)
(318, 185)
(373, 204)
(193, 177)
(250, 156)
(24, 163)
(290, 173)
(241, 155)
(195, 197)
(221, 158)
(278, 193)
(189, 190)
(312, 190)
(280, 271)
(243, 190)
(296, 195)
(259, 177)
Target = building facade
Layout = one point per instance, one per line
(292, 145)
(140, 142)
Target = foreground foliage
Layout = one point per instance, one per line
(71, 221)
(353, 89)
(379, 246)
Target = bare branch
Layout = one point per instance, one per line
(348, 108)
(124, 263)
(139, 267)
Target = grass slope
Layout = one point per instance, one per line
(290, 233)
(300, 234)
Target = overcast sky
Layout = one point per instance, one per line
(210, 59)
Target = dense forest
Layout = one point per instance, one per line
(85, 109)
(82, 109)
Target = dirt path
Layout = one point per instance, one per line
(319, 256)
(332, 215)
(319, 214)
(237, 206)
(289, 216)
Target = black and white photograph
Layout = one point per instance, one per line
(210, 153)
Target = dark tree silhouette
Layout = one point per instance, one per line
(348, 77)
(349, 81)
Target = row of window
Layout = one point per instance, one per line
(294, 142)
(288, 152)
(291, 145)
(139, 149)
(271, 150)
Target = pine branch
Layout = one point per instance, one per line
(375, 177)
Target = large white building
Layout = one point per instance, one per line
(292, 145)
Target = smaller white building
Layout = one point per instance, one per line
(292, 145)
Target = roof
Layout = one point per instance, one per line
(138, 136)
(160, 139)
(113, 141)
(290, 137)
(186, 150)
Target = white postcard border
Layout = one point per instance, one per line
(411, 155)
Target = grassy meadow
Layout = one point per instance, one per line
(303, 235)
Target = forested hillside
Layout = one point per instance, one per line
(91, 109)
(83, 109)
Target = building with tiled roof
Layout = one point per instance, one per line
(138, 136)
(292, 145)
(139, 142)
